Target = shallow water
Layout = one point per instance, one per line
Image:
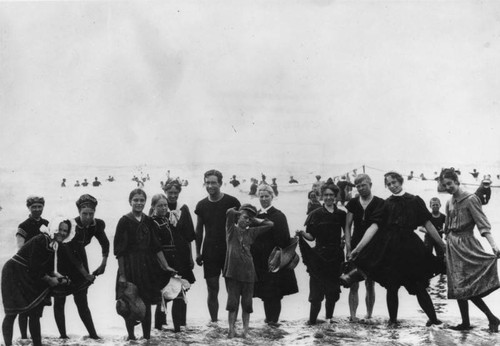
(113, 203)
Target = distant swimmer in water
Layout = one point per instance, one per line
(77, 184)
(274, 186)
(411, 176)
(111, 178)
(263, 181)
(63, 183)
(292, 180)
(474, 173)
(235, 182)
(85, 182)
(422, 176)
(96, 182)
(253, 187)
(317, 185)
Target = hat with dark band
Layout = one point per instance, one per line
(34, 200)
(86, 201)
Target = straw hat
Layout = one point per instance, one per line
(281, 259)
(130, 306)
(175, 286)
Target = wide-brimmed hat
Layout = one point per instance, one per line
(286, 258)
(129, 305)
(175, 286)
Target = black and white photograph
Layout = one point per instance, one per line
(238, 172)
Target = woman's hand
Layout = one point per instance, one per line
(496, 251)
(353, 255)
(90, 277)
(299, 233)
(100, 270)
(170, 269)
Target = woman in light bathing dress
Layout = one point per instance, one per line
(472, 272)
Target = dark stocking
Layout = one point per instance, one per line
(272, 309)
(59, 316)
(177, 310)
(392, 304)
(84, 312)
(314, 311)
(160, 317)
(329, 307)
(36, 334)
(23, 325)
(146, 324)
(8, 329)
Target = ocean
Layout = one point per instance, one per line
(17, 183)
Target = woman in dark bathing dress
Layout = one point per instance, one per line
(395, 256)
(176, 232)
(138, 252)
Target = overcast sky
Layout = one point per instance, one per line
(207, 81)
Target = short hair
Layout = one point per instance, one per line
(136, 192)
(267, 188)
(332, 187)
(171, 184)
(362, 177)
(434, 199)
(393, 175)
(449, 173)
(311, 193)
(213, 172)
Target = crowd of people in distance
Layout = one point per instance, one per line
(372, 240)
(85, 183)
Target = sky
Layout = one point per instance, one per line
(124, 83)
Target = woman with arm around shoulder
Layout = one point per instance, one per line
(136, 247)
(465, 257)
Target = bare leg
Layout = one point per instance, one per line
(353, 300)
(232, 321)
(213, 300)
(370, 297)
(245, 316)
